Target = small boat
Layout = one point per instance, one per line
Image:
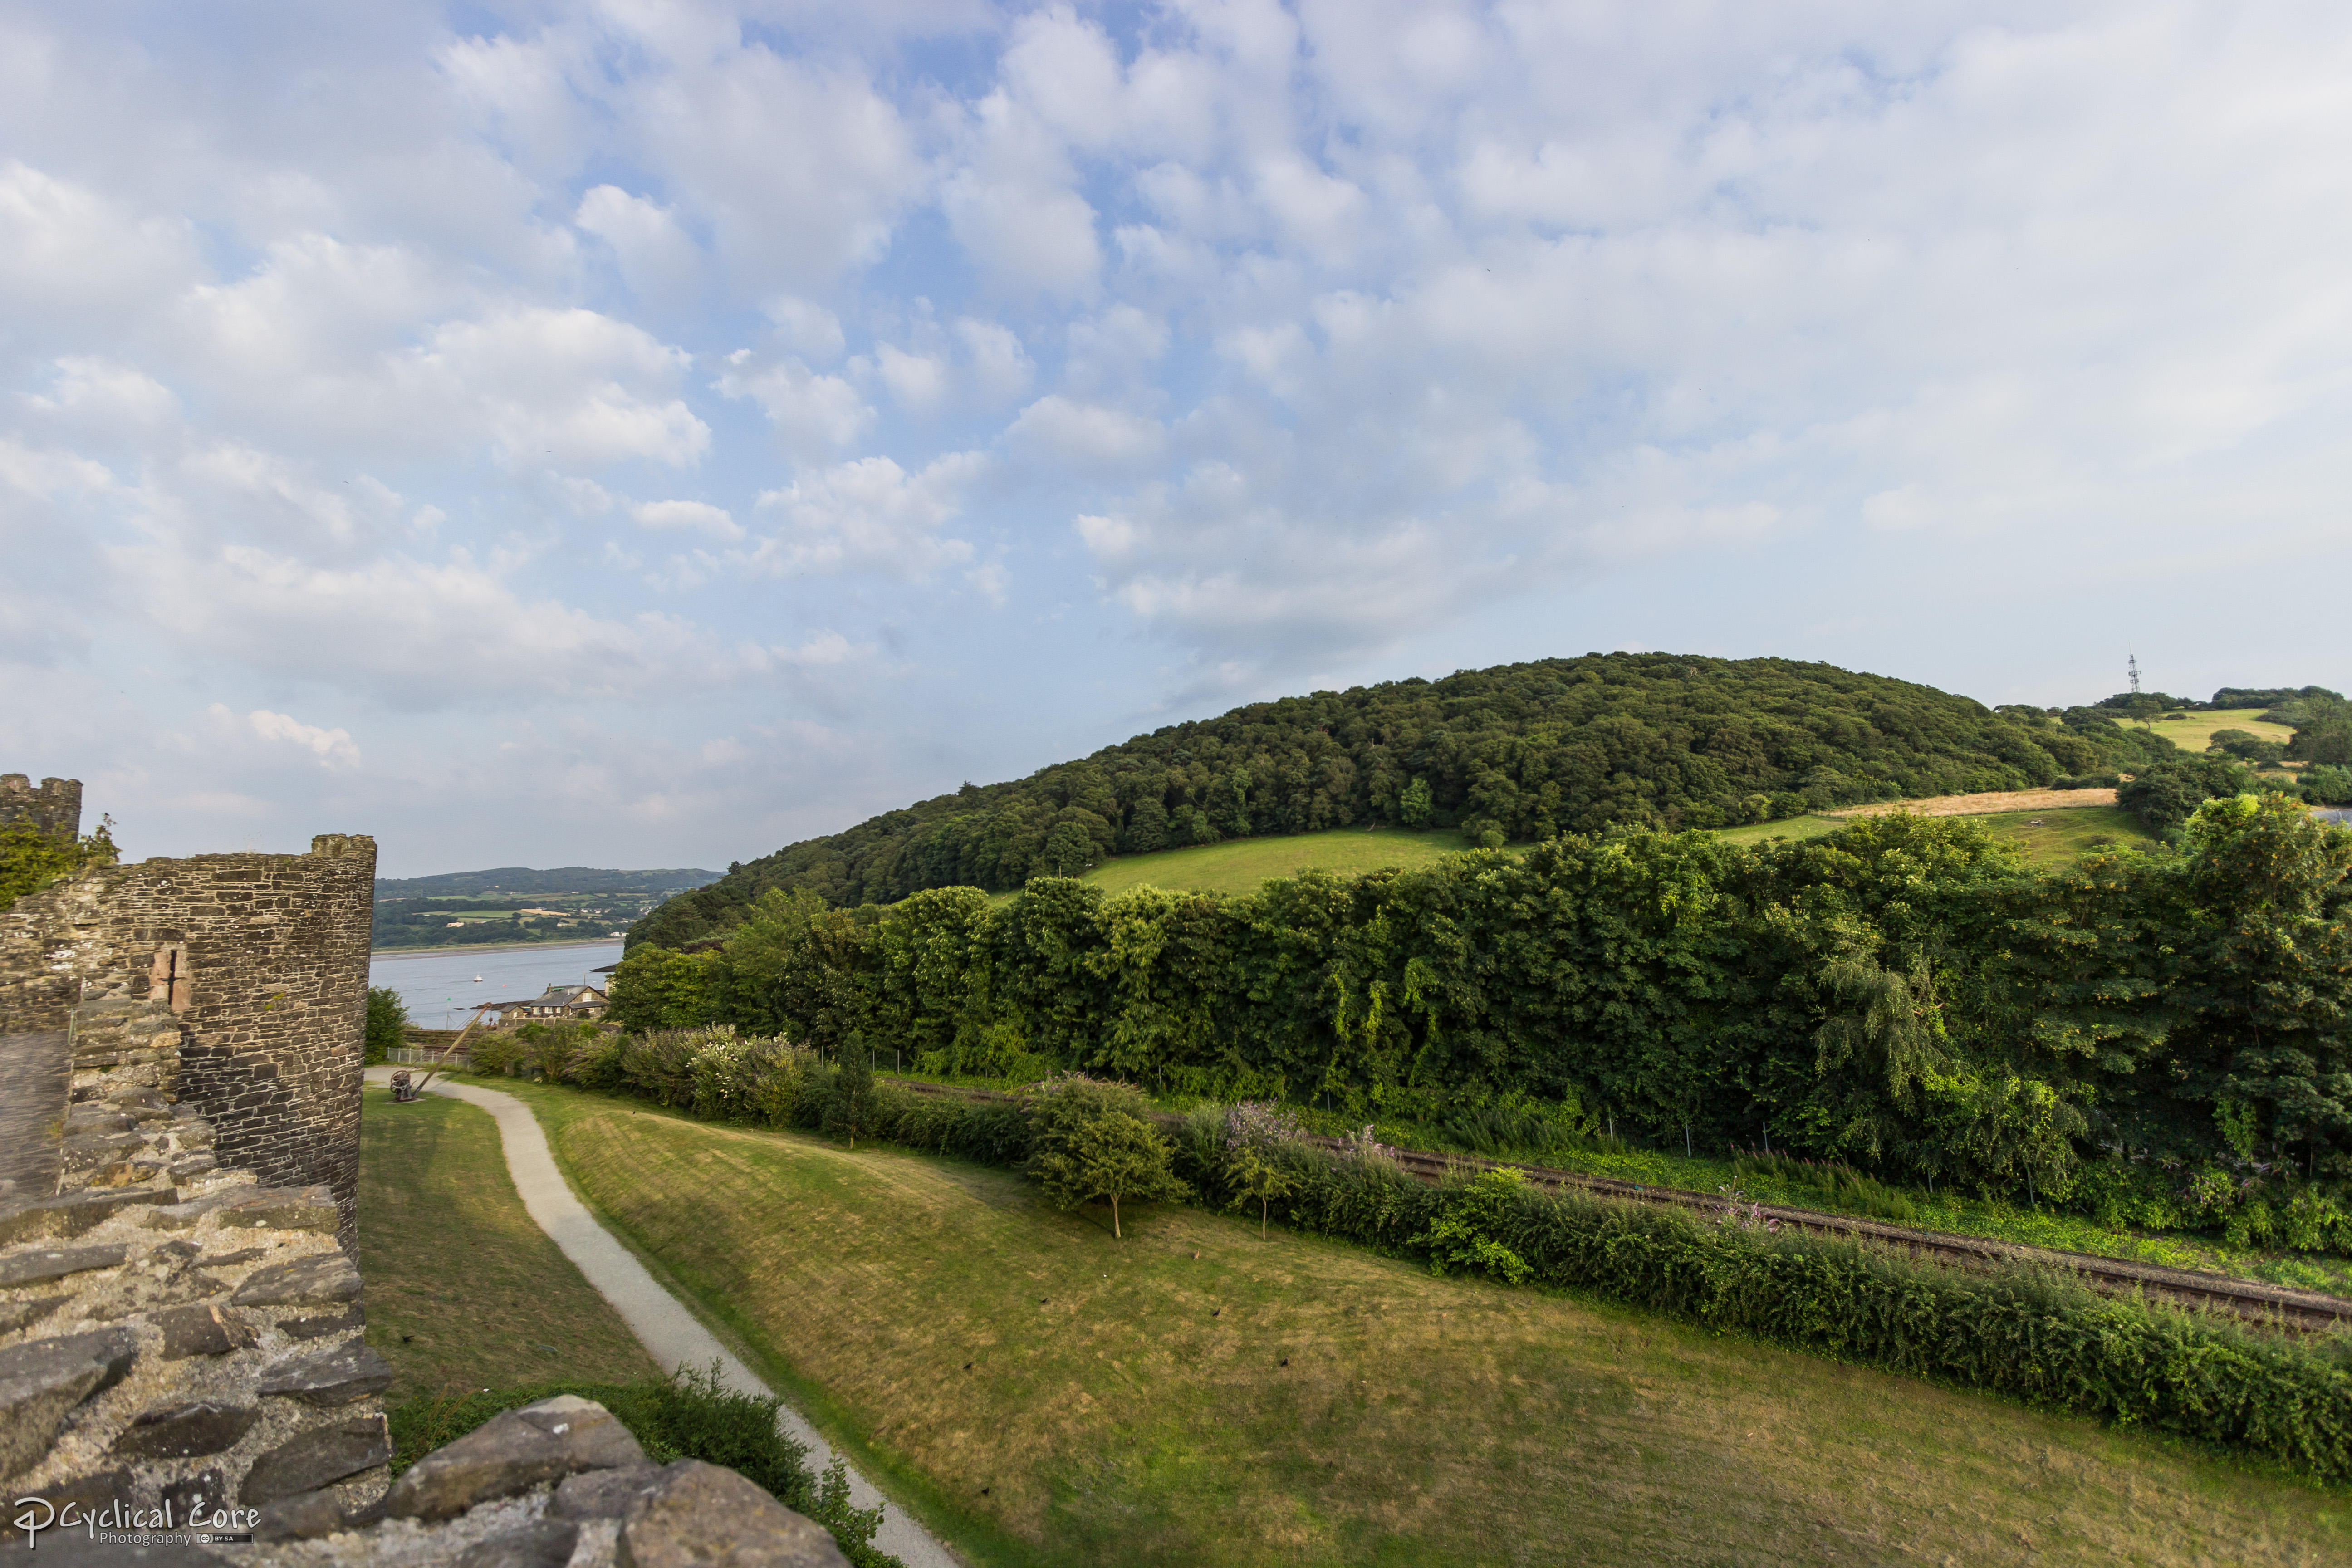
(477, 980)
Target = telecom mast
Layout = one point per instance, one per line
(2132, 661)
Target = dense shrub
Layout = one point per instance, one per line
(387, 1023)
(689, 1415)
(31, 858)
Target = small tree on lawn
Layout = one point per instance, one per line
(1093, 1141)
(1114, 1158)
(1252, 1175)
(855, 1106)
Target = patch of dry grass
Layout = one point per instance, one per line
(1197, 1396)
(463, 1291)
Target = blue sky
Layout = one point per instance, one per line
(644, 434)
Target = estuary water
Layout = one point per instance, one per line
(441, 992)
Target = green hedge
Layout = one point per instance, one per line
(686, 1416)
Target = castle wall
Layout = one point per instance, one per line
(261, 960)
(54, 808)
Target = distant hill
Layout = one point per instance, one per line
(1518, 752)
(563, 880)
(511, 904)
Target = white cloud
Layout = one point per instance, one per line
(333, 748)
(70, 260)
(919, 383)
(1087, 436)
(695, 516)
(814, 416)
(868, 516)
(660, 261)
(1002, 369)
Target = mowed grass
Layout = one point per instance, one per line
(1195, 1395)
(464, 1292)
(2048, 836)
(1239, 867)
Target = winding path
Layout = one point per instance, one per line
(670, 1333)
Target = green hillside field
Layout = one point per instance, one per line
(2192, 732)
(1041, 1393)
(2048, 836)
(1241, 866)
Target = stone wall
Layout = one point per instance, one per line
(181, 1045)
(54, 808)
(252, 968)
(177, 1339)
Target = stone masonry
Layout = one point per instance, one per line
(54, 808)
(249, 970)
(184, 1375)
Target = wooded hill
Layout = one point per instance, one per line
(1518, 752)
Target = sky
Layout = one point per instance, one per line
(646, 433)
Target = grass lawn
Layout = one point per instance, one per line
(2192, 732)
(1198, 1397)
(464, 1292)
(1240, 866)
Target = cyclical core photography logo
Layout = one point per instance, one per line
(125, 1524)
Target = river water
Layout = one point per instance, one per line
(441, 989)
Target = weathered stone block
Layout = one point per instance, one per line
(336, 1375)
(604, 1494)
(74, 1213)
(40, 1379)
(201, 1329)
(96, 1151)
(319, 1281)
(512, 1453)
(305, 1517)
(55, 1263)
(318, 1328)
(282, 1208)
(545, 1544)
(705, 1517)
(311, 1458)
(136, 1295)
(183, 1431)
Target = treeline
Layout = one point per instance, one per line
(2282, 699)
(1516, 753)
(1906, 994)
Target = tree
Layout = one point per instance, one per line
(1252, 1175)
(2164, 794)
(2323, 730)
(1092, 1140)
(1069, 851)
(1114, 1158)
(387, 1019)
(855, 1106)
(654, 988)
(1413, 807)
(2274, 891)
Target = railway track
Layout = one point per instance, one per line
(2274, 1306)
